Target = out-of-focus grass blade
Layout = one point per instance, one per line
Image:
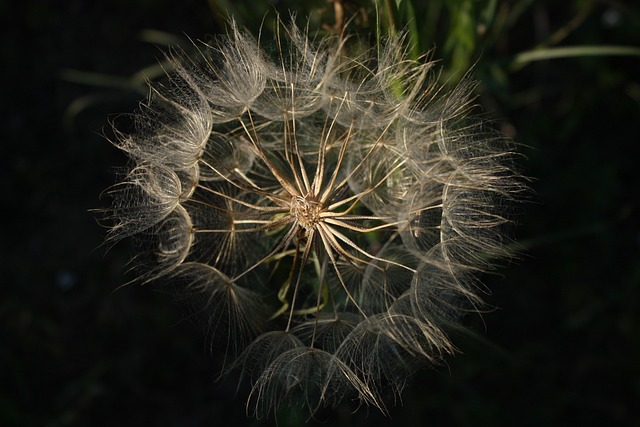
(407, 17)
(160, 38)
(572, 51)
(461, 41)
(95, 79)
(136, 83)
(488, 13)
(82, 103)
(432, 16)
(152, 72)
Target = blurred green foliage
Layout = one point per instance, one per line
(561, 349)
(486, 36)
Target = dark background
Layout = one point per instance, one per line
(562, 347)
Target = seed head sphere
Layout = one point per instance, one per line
(324, 214)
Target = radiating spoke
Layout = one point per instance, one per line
(303, 261)
(266, 209)
(328, 250)
(337, 247)
(298, 154)
(358, 196)
(284, 242)
(346, 179)
(268, 225)
(255, 140)
(324, 141)
(358, 228)
(346, 240)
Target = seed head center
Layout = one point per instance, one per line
(306, 210)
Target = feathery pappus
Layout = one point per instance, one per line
(324, 214)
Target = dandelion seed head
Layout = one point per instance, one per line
(324, 215)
